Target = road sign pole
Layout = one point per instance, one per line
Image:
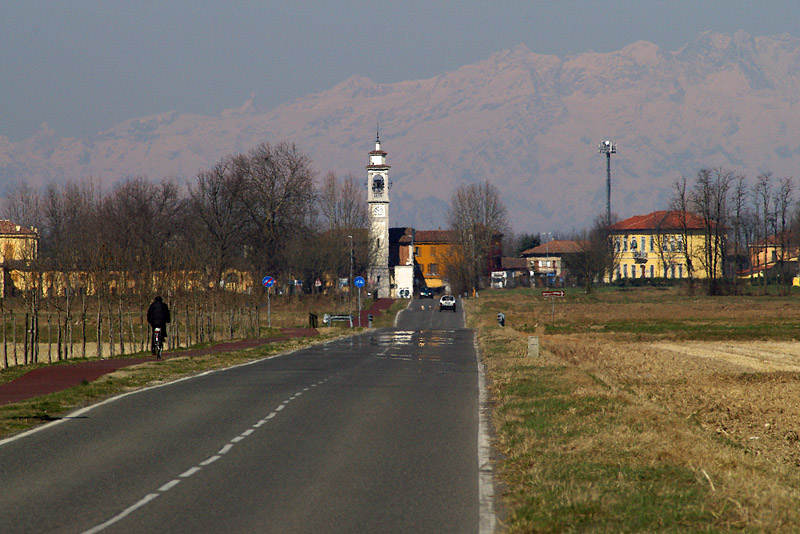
(268, 282)
(359, 306)
(553, 299)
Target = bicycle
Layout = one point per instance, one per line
(158, 343)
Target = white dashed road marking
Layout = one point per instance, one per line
(195, 469)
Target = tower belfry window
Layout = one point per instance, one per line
(377, 185)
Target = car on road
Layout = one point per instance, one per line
(426, 293)
(447, 302)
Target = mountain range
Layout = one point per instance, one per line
(528, 123)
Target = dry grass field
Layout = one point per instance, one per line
(648, 410)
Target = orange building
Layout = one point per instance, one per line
(431, 247)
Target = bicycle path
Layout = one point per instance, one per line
(53, 378)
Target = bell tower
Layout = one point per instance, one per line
(378, 185)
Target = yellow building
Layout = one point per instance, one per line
(19, 246)
(431, 247)
(660, 245)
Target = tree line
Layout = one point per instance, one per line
(257, 212)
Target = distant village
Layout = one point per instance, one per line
(654, 248)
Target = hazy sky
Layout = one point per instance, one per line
(84, 66)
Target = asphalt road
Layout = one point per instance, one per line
(376, 433)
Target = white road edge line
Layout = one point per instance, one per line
(80, 412)
(487, 518)
(210, 460)
(225, 449)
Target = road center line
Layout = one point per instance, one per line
(189, 472)
(169, 485)
(102, 526)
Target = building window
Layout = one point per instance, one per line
(625, 245)
(416, 251)
(680, 243)
(625, 271)
(433, 269)
(652, 274)
(672, 271)
(616, 245)
(642, 248)
(680, 271)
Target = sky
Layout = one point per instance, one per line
(84, 66)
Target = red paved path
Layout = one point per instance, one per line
(54, 378)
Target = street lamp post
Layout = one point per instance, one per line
(350, 280)
(607, 147)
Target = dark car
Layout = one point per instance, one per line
(447, 302)
(426, 293)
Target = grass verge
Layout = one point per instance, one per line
(590, 446)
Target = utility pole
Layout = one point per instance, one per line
(607, 147)
(350, 280)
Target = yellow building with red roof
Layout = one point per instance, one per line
(662, 244)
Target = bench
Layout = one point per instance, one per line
(329, 319)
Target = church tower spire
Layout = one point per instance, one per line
(378, 185)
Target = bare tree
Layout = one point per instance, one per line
(22, 204)
(218, 213)
(680, 204)
(762, 197)
(596, 256)
(783, 202)
(477, 218)
(343, 204)
(709, 198)
(279, 200)
(739, 213)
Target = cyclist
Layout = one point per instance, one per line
(158, 317)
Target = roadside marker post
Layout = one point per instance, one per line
(553, 295)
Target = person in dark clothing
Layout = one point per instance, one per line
(158, 317)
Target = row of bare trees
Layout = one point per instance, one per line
(748, 226)
(253, 214)
(258, 212)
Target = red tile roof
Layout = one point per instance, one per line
(554, 247)
(434, 236)
(8, 227)
(659, 220)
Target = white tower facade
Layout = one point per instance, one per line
(378, 201)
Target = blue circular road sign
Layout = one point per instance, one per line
(359, 281)
(268, 281)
